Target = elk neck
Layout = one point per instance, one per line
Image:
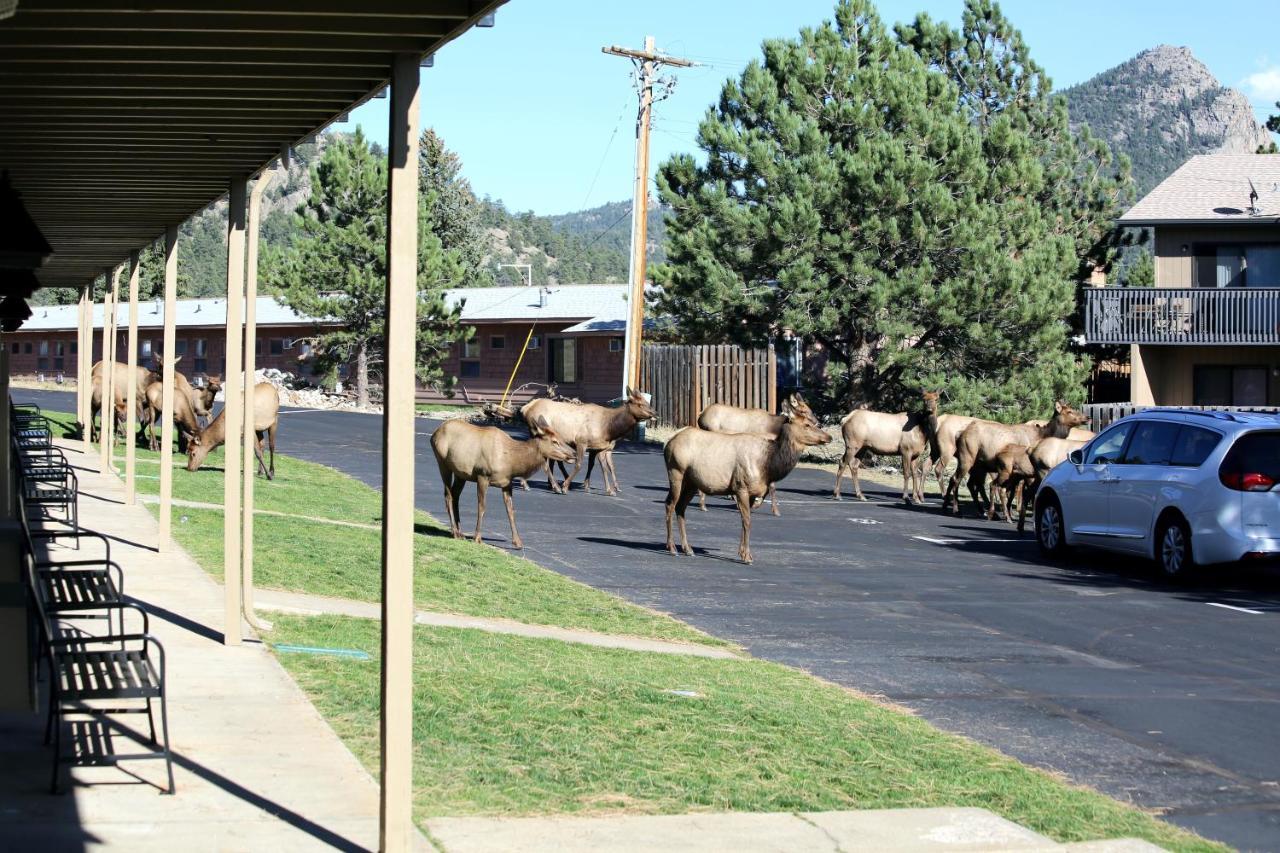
(620, 422)
(783, 455)
(215, 434)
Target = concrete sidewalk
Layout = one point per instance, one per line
(897, 830)
(257, 767)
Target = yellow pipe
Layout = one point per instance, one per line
(519, 361)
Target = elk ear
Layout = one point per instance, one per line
(541, 423)
(1057, 407)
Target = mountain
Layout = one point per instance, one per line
(1162, 107)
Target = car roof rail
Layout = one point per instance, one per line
(1243, 417)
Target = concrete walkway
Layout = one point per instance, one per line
(898, 830)
(295, 602)
(155, 499)
(257, 767)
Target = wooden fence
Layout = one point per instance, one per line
(684, 380)
(1101, 415)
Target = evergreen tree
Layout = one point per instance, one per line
(1142, 272)
(454, 217)
(905, 225)
(337, 267)
(1273, 125)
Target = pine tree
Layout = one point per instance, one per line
(906, 226)
(454, 217)
(337, 268)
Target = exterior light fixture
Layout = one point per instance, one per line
(487, 20)
(427, 61)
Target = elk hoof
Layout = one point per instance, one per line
(517, 544)
(477, 539)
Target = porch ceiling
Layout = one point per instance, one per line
(121, 117)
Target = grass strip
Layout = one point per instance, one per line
(513, 726)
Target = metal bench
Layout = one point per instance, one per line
(49, 483)
(86, 588)
(97, 677)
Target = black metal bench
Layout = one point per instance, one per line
(81, 588)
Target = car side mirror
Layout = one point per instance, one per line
(1076, 457)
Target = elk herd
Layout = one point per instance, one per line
(198, 432)
(742, 453)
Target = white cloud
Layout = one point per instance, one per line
(1264, 85)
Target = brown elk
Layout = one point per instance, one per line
(721, 417)
(903, 435)
(1013, 470)
(945, 431)
(982, 441)
(202, 398)
(120, 386)
(588, 427)
(184, 416)
(266, 420)
(487, 456)
(740, 464)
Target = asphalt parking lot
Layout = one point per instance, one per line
(1166, 696)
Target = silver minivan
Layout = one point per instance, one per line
(1183, 487)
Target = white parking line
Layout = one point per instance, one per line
(1233, 607)
(934, 541)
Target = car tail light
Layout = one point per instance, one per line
(1252, 481)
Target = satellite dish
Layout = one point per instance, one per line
(1253, 198)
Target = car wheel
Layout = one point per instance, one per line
(1173, 549)
(1050, 532)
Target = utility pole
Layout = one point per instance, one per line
(647, 61)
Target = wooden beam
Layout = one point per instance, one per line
(233, 387)
(167, 389)
(131, 391)
(121, 70)
(250, 378)
(396, 814)
(127, 41)
(447, 9)
(107, 410)
(145, 56)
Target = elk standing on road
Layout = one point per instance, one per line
(487, 456)
(904, 435)
(740, 464)
(266, 418)
(721, 417)
(588, 427)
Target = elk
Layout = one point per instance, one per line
(202, 398)
(721, 417)
(119, 382)
(266, 419)
(740, 464)
(487, 456)
(588, 427)
(944, 432)
(982, 441)
(904, 435)
(184, 417)
(1013, 469)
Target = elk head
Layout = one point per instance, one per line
(805, 431)
(197, 450)
(796, 405)
(1068, 416)
(549, 444)
(930, 402)
(637, 407)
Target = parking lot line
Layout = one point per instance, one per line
(934, 541)
(1233, 607)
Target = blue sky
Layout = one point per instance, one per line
(544, 121)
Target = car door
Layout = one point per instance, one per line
(1085, 500)
(1137, 479)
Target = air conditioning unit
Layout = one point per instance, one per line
(535, 342)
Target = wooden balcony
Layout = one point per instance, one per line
(1182, 316)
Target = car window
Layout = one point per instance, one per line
(1193, 446)
(1152, 443)
(1107, 447)
(1256, 452)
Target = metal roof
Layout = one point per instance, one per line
(192, 313)
(594, 307)
(1213, 189)
(119, 118)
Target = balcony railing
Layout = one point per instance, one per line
(1183, 315)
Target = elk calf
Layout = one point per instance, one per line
(740, 464)
(266, 418)
(487, 456)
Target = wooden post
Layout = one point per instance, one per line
(233, 389)
(771, 381)
(250, 367)
(131, 391)
(108, 435)
(166, 385)
(396, 814)
(7, 498)
(84, 400)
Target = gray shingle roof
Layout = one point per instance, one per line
(192, 313)
(1213, 188)
(595, 307)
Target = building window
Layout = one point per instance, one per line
(471, 348)
(563, 360)
(535, 342)
(1229, 385)
(257, 346)
(75, 347)
(59, 353)
(615, 344)
(146, 349)
(1244, 265)
(202, 356)
(42, 363)
(26, 348)
(470, 370)
(497, 342)
(277, 346)
(44, 347)
(15, 347)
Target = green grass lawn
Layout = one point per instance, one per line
(511, 726)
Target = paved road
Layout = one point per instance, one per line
(1165, 696)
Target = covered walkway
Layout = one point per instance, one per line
(257, 768)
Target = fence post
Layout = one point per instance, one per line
(772, 379)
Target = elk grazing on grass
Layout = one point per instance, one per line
(721, 417)
(904, 435)
(740, 464)
(120, 385)
(587, 427)
(266, 418)
(487, 456)
(184, 416)
(982, 441)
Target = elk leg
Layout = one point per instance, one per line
(579, 453)
(482, 492)
(744, 509)
(773, 498)
(702, 501)
(611, 472)
(257, 454)
(511, 516)
(451, 500)
(271, 443)
(686, 495)
(908, 477)
(592, 455)
(673, 491)
(840, 469)
(552, 483)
